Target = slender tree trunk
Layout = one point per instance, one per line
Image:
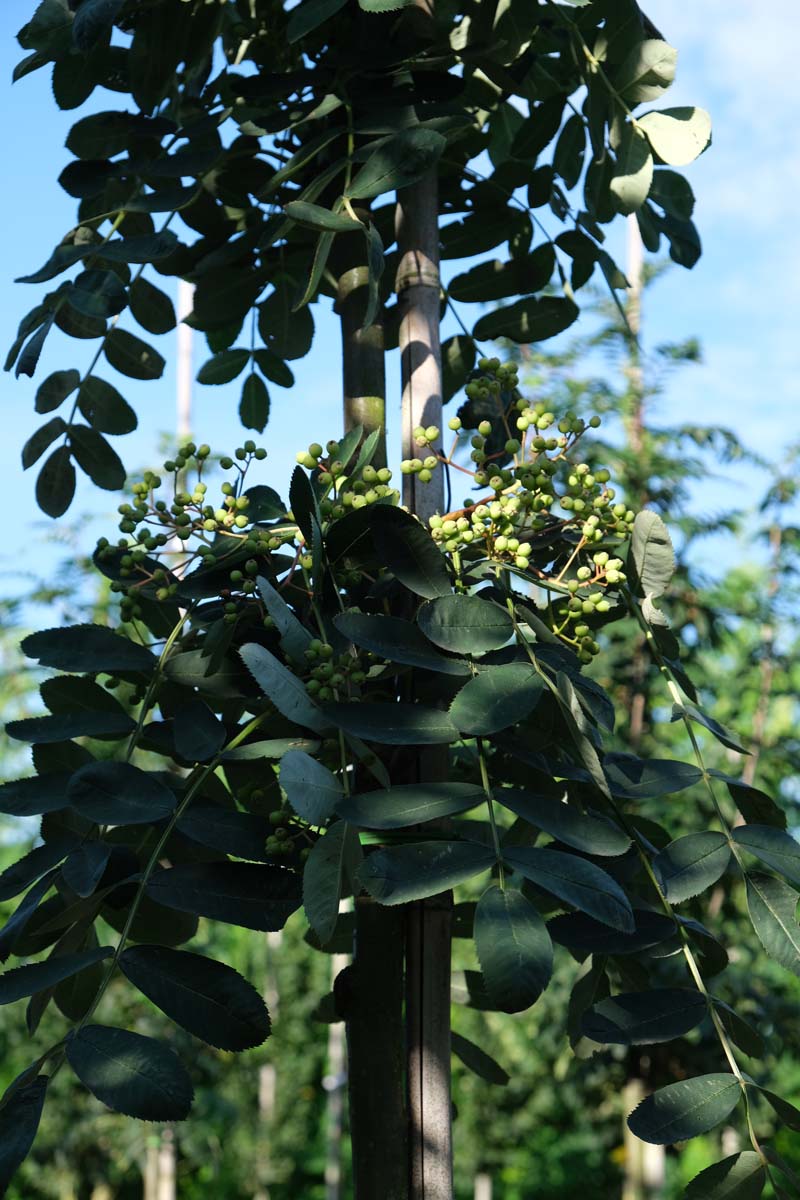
(335, 1082)
(633, 419)
(767, 666)
(644, 1163)
(483, 1186)
(267, 1078)
(184, 378)
(428, 923)
(370, 992)
(160, 1168)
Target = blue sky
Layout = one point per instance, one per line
(741, 300)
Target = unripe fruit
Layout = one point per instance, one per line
(485, 428)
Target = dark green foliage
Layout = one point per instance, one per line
(683, 1110)
(130, 1073)
(204, 996)
(514, 949)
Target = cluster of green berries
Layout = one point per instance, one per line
(343, 491)
(287, 833)
(152, 526)
(423, 468)
(326, 673)
(491, 380)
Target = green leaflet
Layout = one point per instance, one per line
(576, 881)
(153, 310)
(64, 726)
(252, 895)
(465, 624)
(87, 648)
(633, 173)
(131, 356)
(273, 748)
(592, 834)
(197, 733)
(104, 408)
(332, 863)
(20, 874)
(254, 403)
(397, 640)
(393, 724)
(95, 456)
(38, 794)
(284, 689)
(496, 698)
(227, 830)
(531, 320)
(578, 932)
(313, 216)
(409, 552)
(772, 905)
(224, 367)
(19, 1120)
(96, 293)
(84, 868)
(117, 793)
(738, 1177)
(397, 161)
(774, 847)
(25, 981)
(755, 806)
(514, 949)
(723, 735)
(787, 1112)
(477, 1060)
(496, 280)
(691, 864)
(130, 1074)
(40, 439)
(312, 790)
(208, 998)
(409, 804)
(651, 559)
(683, 1110)
(673, 193)
(402, 873)
(55, 486)
(641, 1018)
(287, 333)
(55, 389)
(741, 1032)
(677, 135)
(632, 778)
(647, 72)
(294, 636)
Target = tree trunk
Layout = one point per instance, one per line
(267, 1078)
(428, 923)
(335, 1082)
(370, 992)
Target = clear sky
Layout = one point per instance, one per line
(741, 300)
